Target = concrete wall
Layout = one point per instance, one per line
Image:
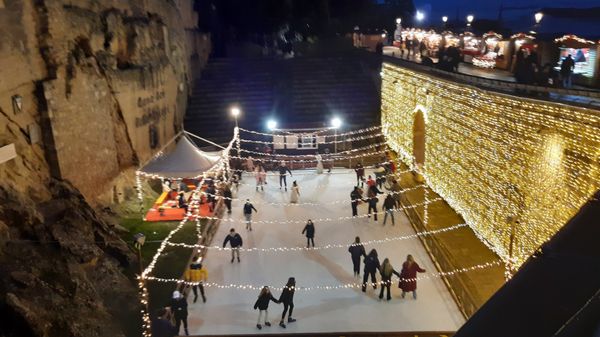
(505, 163)
(94, 77)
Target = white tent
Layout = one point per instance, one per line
(186, 161)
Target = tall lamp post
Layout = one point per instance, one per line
(470, 19)
(538, 18)
(336, 123)
(398, 32)
(235, 112)
(420, 16)
(444, 20)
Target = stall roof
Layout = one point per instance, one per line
(186, 161)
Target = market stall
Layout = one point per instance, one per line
(584, 53)
(470, 46)
(492, 49)
(519, 42)
(432, 42)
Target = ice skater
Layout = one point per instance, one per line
(262, 304)
(355, 198)
(356, 251)
(196, 273)
(295, 193)
(287, 298)
(371, 266)
(309, 229)
(360, 174)
(235, 241)
(373, 200)
(283, 171)
(260, 175)
(386, 278)
(319, 160)
(388, 206)
(249, 164)
(408, 276)
(179, 307)
(248, 208)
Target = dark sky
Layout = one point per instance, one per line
(435, 9)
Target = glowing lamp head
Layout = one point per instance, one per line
(444, 19)
(336, 122)
(235, 112)
(470, 18)
(271, 124)
(383, 36)
(538, 17)
(398, 21)
(420, 16)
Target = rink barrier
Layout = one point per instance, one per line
(353, 139)
(363, 148)
(352, 285)
(349, 133)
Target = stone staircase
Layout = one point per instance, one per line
(298, 93)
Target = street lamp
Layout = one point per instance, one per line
(444, 19)
(336, 123)
(398, 21)
(420, 16)
(271, 124)
(398, 32)
(235, 112)
(470, 19)
(538, 17)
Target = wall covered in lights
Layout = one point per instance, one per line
(505, 163)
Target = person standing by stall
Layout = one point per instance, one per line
(566, 71)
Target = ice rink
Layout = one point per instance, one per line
(230, 311)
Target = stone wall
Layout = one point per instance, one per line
(103, 86)
(508, 165)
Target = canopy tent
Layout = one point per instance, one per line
(186, 161)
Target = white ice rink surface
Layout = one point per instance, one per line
(230, 311)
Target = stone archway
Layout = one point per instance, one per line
(419, 138)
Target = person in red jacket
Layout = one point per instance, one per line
(408, 276)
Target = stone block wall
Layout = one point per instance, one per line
(511, 166)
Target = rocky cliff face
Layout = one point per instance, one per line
(88, 90)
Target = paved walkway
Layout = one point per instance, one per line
(229, 311)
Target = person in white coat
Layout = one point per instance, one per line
(295, 193)
(319, 160)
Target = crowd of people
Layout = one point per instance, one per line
(167, 321)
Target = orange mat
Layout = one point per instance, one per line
(175, 214)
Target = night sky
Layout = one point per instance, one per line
(435, 9)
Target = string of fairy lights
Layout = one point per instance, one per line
(349, 133)
(344, 140)
(362, 155)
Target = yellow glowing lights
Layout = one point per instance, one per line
(491, 155)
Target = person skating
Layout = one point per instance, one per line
(360, 174)
(262, 304)
(161, 325)
(235, 241)
(380, 175)
(386, 278)
(283, 171)
(287, 298)
(295, 193)
(180, 311)
(259, 174)
(370, 182)
(227, 195)
(309, 229)
(373, 200)
(319, 160)
(355, 198)
(408, 276)
(388, 207)
(248, 208)
(196, 273)
(371, 266)
(356, 251)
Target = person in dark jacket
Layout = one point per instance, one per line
(161, 325)
(371, 265)
(235, 240)
(227, 195)
(356, 251)
(355, 197)
(211, 196)
(360, 174)
(262, 304)
(181, 202)
(248, 208)
(373, 200)
(388, 206)
(180, 312)
(283, 170)
(309, 229)
(386, 278)
(287, 298)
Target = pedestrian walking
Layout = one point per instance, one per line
(260, 175)
(319, 160)
(283, 171)
(295, 193)
(287, 298)
(161, 325)
(248, 208)
(235, 241)
(262, 304)
(227, 195)
(356, 251)
(388, 207)
(197, 274)
(309, 229)
(211, 193)
(371, 265)
(386, 278)
(180, 312)
(373, 200)
(408, 276)
(360, 174)
(355, 198)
